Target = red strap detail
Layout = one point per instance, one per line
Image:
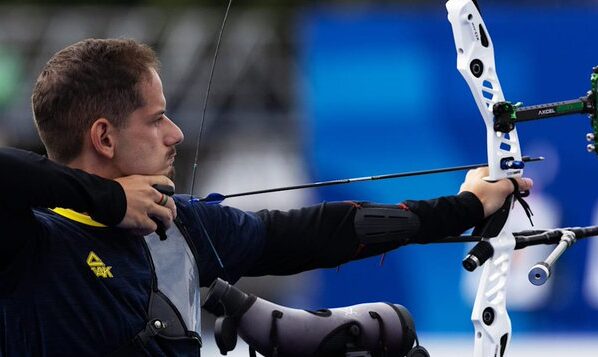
(359, 250)
(354, 204)
(403, 206)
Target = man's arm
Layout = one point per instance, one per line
(30, 181)
(232, 243)
(331, 234)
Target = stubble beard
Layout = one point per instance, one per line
(171, 173)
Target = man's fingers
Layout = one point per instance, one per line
(164, 214)
(145, 202)
(165, 201)
(171, 206)
(492, 194)
(525, 184)
(483, 171)
(145, 226)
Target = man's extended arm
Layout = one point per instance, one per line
(334, 233)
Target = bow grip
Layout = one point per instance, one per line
(168, 191)
(489, 228)
(165, 189)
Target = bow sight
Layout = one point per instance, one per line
(507, 114)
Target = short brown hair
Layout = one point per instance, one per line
(88, 80)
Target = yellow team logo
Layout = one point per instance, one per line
(98, 267)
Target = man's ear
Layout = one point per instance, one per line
(102, 137)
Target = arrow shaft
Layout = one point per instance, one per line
(366, 178)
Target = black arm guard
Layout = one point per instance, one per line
(381, 228)
(385, 224)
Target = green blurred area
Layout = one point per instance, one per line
(10, 73)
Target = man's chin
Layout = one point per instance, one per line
(171, 173)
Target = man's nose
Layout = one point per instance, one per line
(175, 135)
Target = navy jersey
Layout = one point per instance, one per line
(79, 288)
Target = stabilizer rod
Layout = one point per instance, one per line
(507, 114)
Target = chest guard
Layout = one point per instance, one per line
(174, 310)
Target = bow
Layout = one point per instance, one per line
(475, 61)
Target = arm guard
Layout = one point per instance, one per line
(385, 224)
(380, 228)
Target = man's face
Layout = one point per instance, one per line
(146, 144)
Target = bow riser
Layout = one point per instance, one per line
(475, 62)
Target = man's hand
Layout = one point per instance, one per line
(491, 194)
(144, 203)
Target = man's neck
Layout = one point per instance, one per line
(93, 164)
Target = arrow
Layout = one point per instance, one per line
(216, 198)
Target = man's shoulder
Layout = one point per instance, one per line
(65, 223)
(185, 202)
(190, 208)
(188, 202)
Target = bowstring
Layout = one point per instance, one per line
(200, 133)
(205, 104)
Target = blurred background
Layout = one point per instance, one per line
(309, 91)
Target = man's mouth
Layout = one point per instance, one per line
(171, 158)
